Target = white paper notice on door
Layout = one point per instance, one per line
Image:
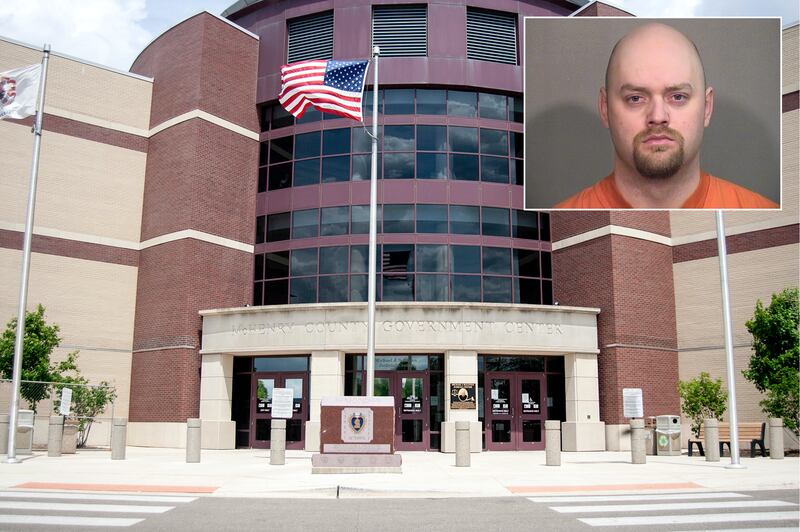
(495, 394)
(525, 398)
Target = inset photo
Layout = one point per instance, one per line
(630, 113)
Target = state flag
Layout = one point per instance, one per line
(18, 91)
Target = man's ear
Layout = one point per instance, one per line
(602, 106)
(709, 106)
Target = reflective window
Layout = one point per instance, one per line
(524, 224)
(497, 289)
(432, 258)
(398, 218)
(495, 222)
(333, 289)
(497, 260)
(276, 292)
(462, 103)
(261, 228)
(527, 291)
(258, 268)
(334, 220)
(431, 166)
(463, 139)
(362, 167)
(303, 290)
(304, 261)
(464, 167)
(358, 288)
(431, 218)
(362, 143)
(310, 115)
(307, 145)
(526, 262)
(295, 364)
(358, 259)
(494, 169)
(262, 179)
(263, 153)
(278, 227)
(333, 259)
(280, 150)
(335, 141)
(465, 220)
(360, 219)
(492, 106)
(280, 176)
(397, 258)
(466, 288)
(517, 172)
(398, 166)
(277, 265)
(517, 144)
(431, 138)
(398, 101)
(335, 169)
(516, 113)
(547, 270)
(465, 259)
(494, 141)
(544, 222)
(258, 294)
(305, 223)
(398, 138)
(281, 117)
(547, 292)
(432, 287)
(398, 287)
(306, 172)
(431, 102)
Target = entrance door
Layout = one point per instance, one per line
(261, 408)
(513, 411)
(412, 431)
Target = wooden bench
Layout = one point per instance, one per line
(752, 432)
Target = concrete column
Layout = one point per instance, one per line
(582, 430)
(552, 441)
(3, 433)
(277, 442)
(119, 430)
(193, 438)
(776, 438)
(462, 444)
(216, 393)
(54, 433)
(327, 379)
(711, 443)
(460, 367)
(638, 451)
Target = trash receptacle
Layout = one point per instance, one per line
(668, 435)
(650, 435)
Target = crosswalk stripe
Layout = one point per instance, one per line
(66, 520)
(678, 506)
(623, 498)
(689, 519)
(77, 507)
(94, 496)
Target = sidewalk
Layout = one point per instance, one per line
(247, 473)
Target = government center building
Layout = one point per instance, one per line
(201, 247)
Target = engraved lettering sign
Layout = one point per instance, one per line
(356, 425)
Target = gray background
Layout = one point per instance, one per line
(566, 146)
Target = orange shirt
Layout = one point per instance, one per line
(711, 193)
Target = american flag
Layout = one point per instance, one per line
(330, 86)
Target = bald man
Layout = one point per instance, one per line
(656, 104)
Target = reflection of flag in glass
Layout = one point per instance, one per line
(395, 263)
(18, 91)
(330, 86)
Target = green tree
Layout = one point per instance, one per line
(88, 401)
(773, 367)
(38, 344)
(702, 398)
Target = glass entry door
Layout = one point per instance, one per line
(513, 411)
(261, 408)
(411, 407)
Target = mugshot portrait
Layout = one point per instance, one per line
(598, 130)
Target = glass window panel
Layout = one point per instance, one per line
(398, 138)
(366, 103)
(307, 145)
(497, 260)
(464, 167)
(398, 166)
(335, 141)
(362, 167)
(261, 228)
(495, 222)
(462, 103)
(497, 289)
(547, 292)
(334, 220)
(280, 150)
(306, 172)
(555, 364)
(494, 141)
(547, 271)
(531, 430)
(303, 290)
(467, 288)
(263, 153)
(360, 219)
(433, 287)
(304, 261)
(463, 139)
(517, 172)
(398, 101)
(278, 227)
(465, 259)
(305, 223)
(432, 138)
(333, 288)
(281, 117)
(544, 223)
(431, 218)
(336, 169)
(431, 102)
(278, 364)
(258, 294)
(465, 220)
(258, 268)
(398, 287)
(431, 166)
(524, 224)
(527, 291)
(263, 429)
(516, 108)
(309, 116)
(526, 262)
(432, 258)
(277, 264)
(264, 115)
(517, 144)
(362, 143)
(280, 176)
(333, 259)
(358, 259)
(398, 218)
(492, 106)
(381, 386)
(276, 292)
(262, 179)
(397, 258)
(494, 169)
(358, 288)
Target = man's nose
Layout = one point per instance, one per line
(657, 113)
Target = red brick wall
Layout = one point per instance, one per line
(766, 238)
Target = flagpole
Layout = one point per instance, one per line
(26, 264)
(373, 231)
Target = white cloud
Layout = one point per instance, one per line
(108, 32)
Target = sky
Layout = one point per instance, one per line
(113, 32)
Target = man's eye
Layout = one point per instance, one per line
(679, 97)
(634, 98)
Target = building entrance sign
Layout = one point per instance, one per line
(514, 414)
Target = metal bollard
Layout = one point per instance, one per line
(776, 438)
(193, 441)
(552, 442)
(119, 436)
(54, 435)
(711, 429)
(3, 433)
(462, 444)
(638, 450)
(277, 443)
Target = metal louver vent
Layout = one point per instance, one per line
(400, 30)
(491, 36)
(311, 37)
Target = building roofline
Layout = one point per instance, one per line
(605, 2)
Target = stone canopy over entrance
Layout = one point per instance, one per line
(461, 332)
